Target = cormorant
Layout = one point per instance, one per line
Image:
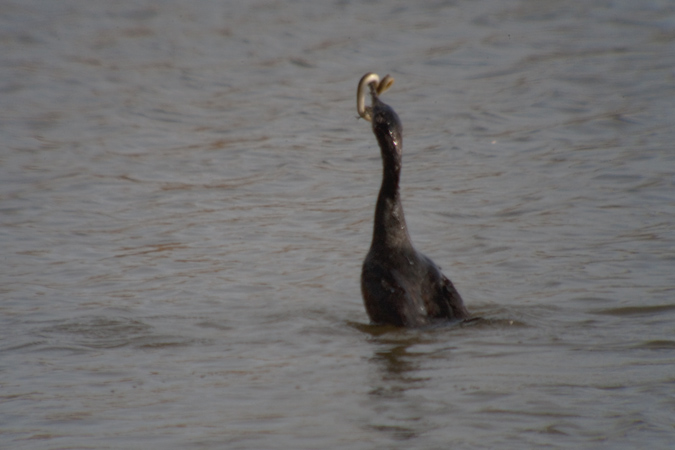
(400, 286)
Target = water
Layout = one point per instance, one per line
(186, 197)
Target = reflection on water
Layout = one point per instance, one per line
(396, 375)
(186, 196)
(403, 363)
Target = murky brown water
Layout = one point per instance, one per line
(186, 197)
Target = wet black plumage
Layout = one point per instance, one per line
(400, 286)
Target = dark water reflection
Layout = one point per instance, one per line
(398, 373)
(186, 197)
(404, 367)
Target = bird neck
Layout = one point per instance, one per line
(390, 229)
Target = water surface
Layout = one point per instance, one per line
(186, 196)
